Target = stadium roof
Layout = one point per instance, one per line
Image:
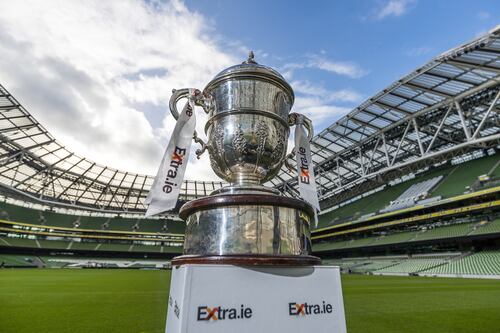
(443, 108)
(447, 107)
(35, 165)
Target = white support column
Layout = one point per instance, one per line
(400, 143)
(462, 120)
(8, 159)
(320, 180)
(361, 161)
(16, 170)
(386, 150)
(415, 126)
(338, 172)
(373, 154)
(492, 106)
(439, 128)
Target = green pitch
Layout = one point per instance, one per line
(121, 301)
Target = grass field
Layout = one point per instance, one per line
(113, 301)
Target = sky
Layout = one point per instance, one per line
(98, 74)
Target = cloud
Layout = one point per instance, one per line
(418, 51)
(82, 67)
(318, 111)
(99, 74)
(320, 104)
(348, 69)
(307, 88)
(392, 8)
(315, 61)
(483, 15)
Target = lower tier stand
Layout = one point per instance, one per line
(223, 297)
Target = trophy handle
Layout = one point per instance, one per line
(289, 158)
(298, 119)
(200, 99)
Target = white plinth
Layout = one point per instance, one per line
(225, 298)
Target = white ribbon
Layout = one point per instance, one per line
(165, 190)
(305, 167)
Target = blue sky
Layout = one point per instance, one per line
(98, 74)
(385, 45)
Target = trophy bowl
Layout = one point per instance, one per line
(248, 107)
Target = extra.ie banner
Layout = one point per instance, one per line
(305, 167)
(167, 183)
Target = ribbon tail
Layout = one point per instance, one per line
(166, 187)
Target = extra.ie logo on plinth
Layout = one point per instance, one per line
(218, 313)
(305, 309)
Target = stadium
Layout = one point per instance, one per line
(408, 182)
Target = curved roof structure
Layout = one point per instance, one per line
(33, 164)
(445, 108)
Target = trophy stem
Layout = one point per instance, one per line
(245, 178)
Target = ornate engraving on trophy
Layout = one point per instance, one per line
(239, 141)
(218, 140)
(262, 132)
(215, 166)
(278, 151)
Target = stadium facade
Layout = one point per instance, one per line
(409, 182)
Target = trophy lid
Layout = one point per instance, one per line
(250, 69)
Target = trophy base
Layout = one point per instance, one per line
(248, 260)
(247, 225)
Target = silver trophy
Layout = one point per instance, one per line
(248, 107)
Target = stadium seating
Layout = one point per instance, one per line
(458, 230)
(88, 222)
(487, 228)
(146, 248)
(481, 263)
(485, 263)
(83, 246)
(412, 194)
(373, 265)
(411, 266)
(12, 260)
(455, 179)
(496, 172)
(63, 261)
(324, 246)
(360, 242)
(53, 244)
(371, 203)
(464, 175)
(18, 242)
(398, 237)
(16, 213)
(426, 233)
(114, 247)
